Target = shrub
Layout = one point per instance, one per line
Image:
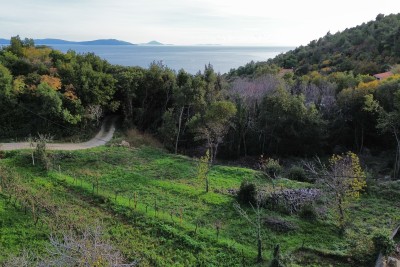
(361, 249)
(247, 193)
(276, 261)
(136, 139)
(2, 153)
(279, 225)
(308, 212)
(298, 173)
(270, 167)
(383, 243)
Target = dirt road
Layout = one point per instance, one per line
(101, 138)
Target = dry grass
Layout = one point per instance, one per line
(137, 139)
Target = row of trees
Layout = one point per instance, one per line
(254, 110)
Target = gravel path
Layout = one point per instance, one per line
(101, 138)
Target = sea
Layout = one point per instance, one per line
(190, 58)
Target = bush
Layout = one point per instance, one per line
(308, 212)
(137, 139)
(270, 167)
(361, 249)
(298, 173)
(276, 261)
(383, 243)
(280, 225)
(247, 193)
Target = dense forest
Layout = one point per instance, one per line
(370, 48)
(153, 206)
(261, 108)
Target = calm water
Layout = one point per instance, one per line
(190, 58)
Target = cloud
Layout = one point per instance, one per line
(288, 22)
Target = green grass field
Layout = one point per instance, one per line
(154, 208)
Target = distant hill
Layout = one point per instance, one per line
(153, 43)
(4, 41)
(105, 42)
(366, 49)
(50, 41)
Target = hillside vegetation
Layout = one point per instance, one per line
(153, 207)
(366, 49)
(319, 134)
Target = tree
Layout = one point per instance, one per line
(40, 144)
(7, 103)
(256, 223)
(213, 125)
(87, 248)
(351, 103)
(168, 131)
(186, 94)
(154, 96)
(5, 82)
(204, 168)
(16, 45)
(388, 121)
(289, 125)
(128, 81)
(343, 178)
(247, 94)
(94, 113)
(276, 261)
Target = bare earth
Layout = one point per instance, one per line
(101, 138)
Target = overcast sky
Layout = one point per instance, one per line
(185, 22)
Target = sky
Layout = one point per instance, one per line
(188, 22)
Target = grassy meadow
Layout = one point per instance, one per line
(154, 208)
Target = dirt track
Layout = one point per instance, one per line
(101, 138)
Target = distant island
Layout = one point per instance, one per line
(50, 41)
(153, 43)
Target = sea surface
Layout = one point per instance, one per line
(190, 58)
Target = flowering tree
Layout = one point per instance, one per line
(343, 178)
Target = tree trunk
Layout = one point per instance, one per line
(362, 139)
(341, 213)
(129, 110)
(214, 155)
(259, 247)
(238, 148)
(263, 144)
(179, 130)
(244, 144)
(397, 161)
(207, 185)
(356, 138)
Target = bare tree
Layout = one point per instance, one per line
(25, 259)
(256, 223)
(94, 113)
(322, 95)
(40, 145)
(90, 248)
(247, 94)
